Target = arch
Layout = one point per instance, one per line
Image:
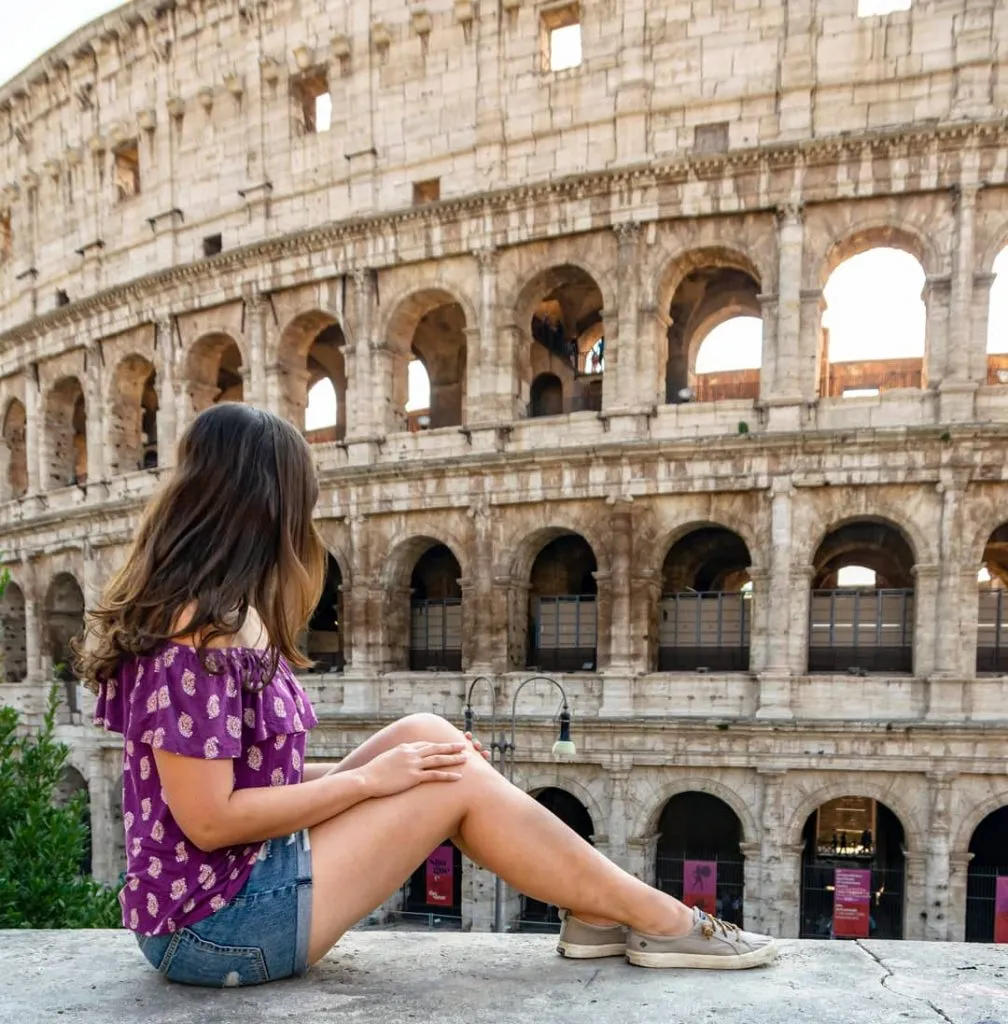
(527, 547)
(436, 611)
(678, 265)
(881, 513)
(874, 233)
(974, 819)
(524, 297)
(300, 332)
(13, 633)
(66, 434)
(325, 635)
(64, 619)
(15, 428)
(862, 786)
(215, 370)
(646, 822)
(988, 864)
(546, 397)
(541, 780)
(132, 408)
(322, 362)
(405, 551)
(410, 305)
(742, 527)
(862, 540)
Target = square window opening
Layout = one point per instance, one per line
(212, 245)
(561, 38)
(311, 95)
(127, 171)
(875, 8)
(426, 191)
(62, 298)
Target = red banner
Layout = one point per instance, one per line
(1001, 910)
(700, 885)
(441, 877)
(851, 903)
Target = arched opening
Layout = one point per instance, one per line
(546, 396)
(997, 323)
(14, 435)
(325, 414)
(64, 619)
(132, 415)
(73, 786)
(562, 606)
(992, 613)
(428, 331)
(715, 336)
(12, 633)
(861, 615)
(432, 895)
(214, 371)
(699, 858)
(987, 880)
(564, 308)
(436, 612)
(324, 637)
(705, 611)
(66, 434)
(873, 325)
(534, 916)
(853, 871)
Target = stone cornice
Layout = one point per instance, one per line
(478, 208)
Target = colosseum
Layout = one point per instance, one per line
(770, 588)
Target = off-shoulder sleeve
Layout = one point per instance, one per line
(178, 706)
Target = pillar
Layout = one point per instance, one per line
(789, 363)
(622, 381)
(814, 354)
(95, 413)
(958, 386)
(360, 692)
(618, 826)
(33, 432)
(915, 894)
(937, 300)
(936, 919)
(365, 425)
(769, 314)
(958, 867)
(33, 637)
(979, 327)
(927, 609)
(780, 621)
(954, 627)
(779, 883)
(653, 326)
(488, 633)
(488, 394)
(617, 682)
(752, 904)
(167, 415)
(255, 329)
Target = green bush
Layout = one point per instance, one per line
(42, 844)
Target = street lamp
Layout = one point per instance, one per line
(502, 749)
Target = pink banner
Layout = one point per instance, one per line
(851, 903)
(441, 877)
(1001, 910)
(700, 885)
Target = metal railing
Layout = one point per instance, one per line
(981, 897)
(992, 632)
(564, 633)
(729, 884)
(436, 634)
(885, 912)
(870, 630)
(709, 630)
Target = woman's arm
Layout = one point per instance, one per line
(316, 769)
(212, 813)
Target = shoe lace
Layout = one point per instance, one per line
(713, 925)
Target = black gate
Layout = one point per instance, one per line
(730, 891)
(885, 914)
(981, 894)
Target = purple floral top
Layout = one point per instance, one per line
(169, 701)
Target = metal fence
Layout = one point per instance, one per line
(981, 895)
(885, 920)
(730, 890)
(436, 635)
(564, 632)
(861, 629)
(992, 632)
(704, 630)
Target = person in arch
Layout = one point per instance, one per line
(244, 863)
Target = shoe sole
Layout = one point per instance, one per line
(701, 961)
(575, 952)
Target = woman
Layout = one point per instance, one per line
(244, 864)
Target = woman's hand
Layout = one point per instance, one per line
(410, 764)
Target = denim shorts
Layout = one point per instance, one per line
(260, 936)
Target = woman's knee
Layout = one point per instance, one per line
(424, 726)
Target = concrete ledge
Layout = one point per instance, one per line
(393, 977)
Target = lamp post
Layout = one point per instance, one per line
(502, 749)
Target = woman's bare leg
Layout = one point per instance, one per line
(362, 856)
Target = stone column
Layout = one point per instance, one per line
(364, 427)
(770, 315)
(937, 300)
(787, 358)
(618, 826)
(603, 620)
(752, 903)
(927, 610)
(95, 411)
(513, 371)
(477, 898)
(360, 692)
(813, 353)
(488, 634)
(958, 868)
(937, 869)
(957, 387)
(489, 390)
(622, 383)
(979, 326)
(33, 637)
(34, 431)
(255, 330)
(167, 415)
(652, 326)
(760, 631)
(780, 620)
(617, 677)
(915, 898)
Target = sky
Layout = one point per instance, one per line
(31, 28)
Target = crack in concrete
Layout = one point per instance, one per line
(890, 973)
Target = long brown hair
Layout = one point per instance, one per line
(231, 530)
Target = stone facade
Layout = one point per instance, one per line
(175, 230)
